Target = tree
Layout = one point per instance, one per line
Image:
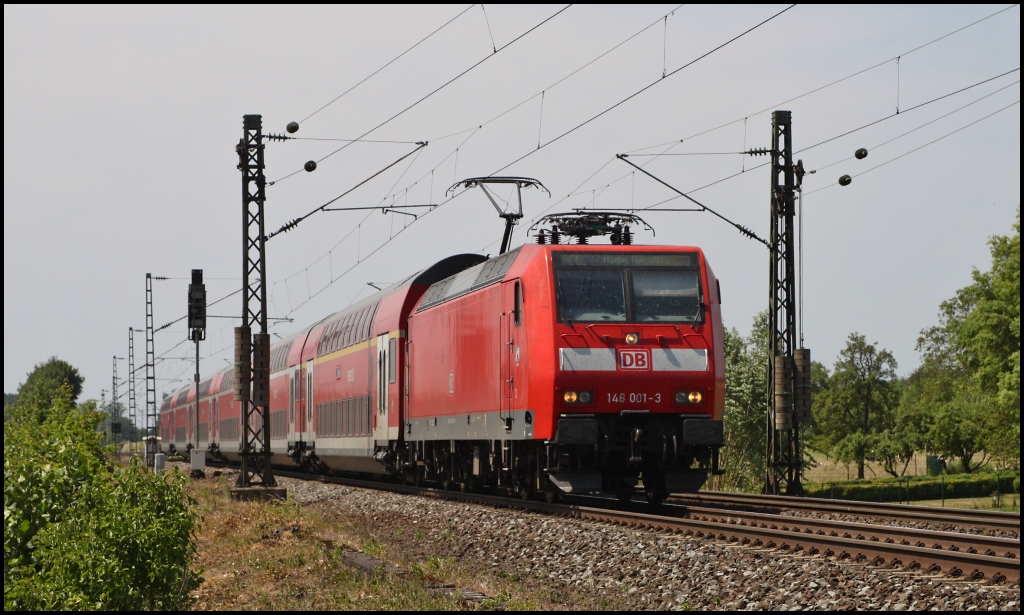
(961, 431)
(976, 347)
(858, 404)
(743, 455)
(44, 384)
(746, 407)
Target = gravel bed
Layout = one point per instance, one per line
(641, 569)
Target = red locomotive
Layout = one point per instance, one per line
(580, 368)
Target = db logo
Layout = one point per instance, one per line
(635, 359)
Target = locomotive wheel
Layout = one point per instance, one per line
(655, 495)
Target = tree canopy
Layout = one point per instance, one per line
(45, 383)
(858, 406)
(972, 358)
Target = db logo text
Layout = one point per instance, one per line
(635, 359)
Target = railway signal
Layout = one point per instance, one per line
(197, 332)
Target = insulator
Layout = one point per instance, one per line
(310, 166)
(802, 392)
(556, 237)
(845, 180)
(582, 240)
(243, 362)
(783, 392)
(273, 137)
(616, 236)
(260, 369)
(758, 151)
(292, 128)
(627, 237)
(541, 238)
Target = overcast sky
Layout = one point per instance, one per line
(120, 125)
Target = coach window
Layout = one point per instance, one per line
(347, 333)
(359, 324)
(369, 321)
(519, 304)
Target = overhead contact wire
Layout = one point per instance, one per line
(645, 88)
(439, 88)
(837, 81)
(395, 59)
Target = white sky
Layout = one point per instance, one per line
(120, 125)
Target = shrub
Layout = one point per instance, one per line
(80, 533)
(915, 488)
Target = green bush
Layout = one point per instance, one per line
(915, 488)
(80, 533)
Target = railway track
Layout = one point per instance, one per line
(977, 557)
(982, 519)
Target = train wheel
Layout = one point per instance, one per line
(655, 496)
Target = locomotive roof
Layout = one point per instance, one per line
(488, 272)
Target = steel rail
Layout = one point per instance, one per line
(933, 539)
(955, 563)
(986, 519)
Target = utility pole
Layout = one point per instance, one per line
(789, 366)
(114, 429)
(131, 379)
(103, 404)
(252, 351)
(152, 443)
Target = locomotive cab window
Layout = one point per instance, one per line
(628, 287)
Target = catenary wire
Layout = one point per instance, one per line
(436, 90)
(830, 84)
(393, 60)
(916, 149)
(642, 90)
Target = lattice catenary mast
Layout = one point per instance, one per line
(252, 351)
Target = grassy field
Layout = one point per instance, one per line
(832, 471)
(281, 556)
(285, 556)
(828, 470)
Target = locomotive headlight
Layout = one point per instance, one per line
(578, 397)
(632, 338)
(689, 397)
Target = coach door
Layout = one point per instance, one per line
(511, 347)
(305, 419)
(294, 399)
(386, 368)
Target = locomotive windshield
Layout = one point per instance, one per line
(628, 287)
